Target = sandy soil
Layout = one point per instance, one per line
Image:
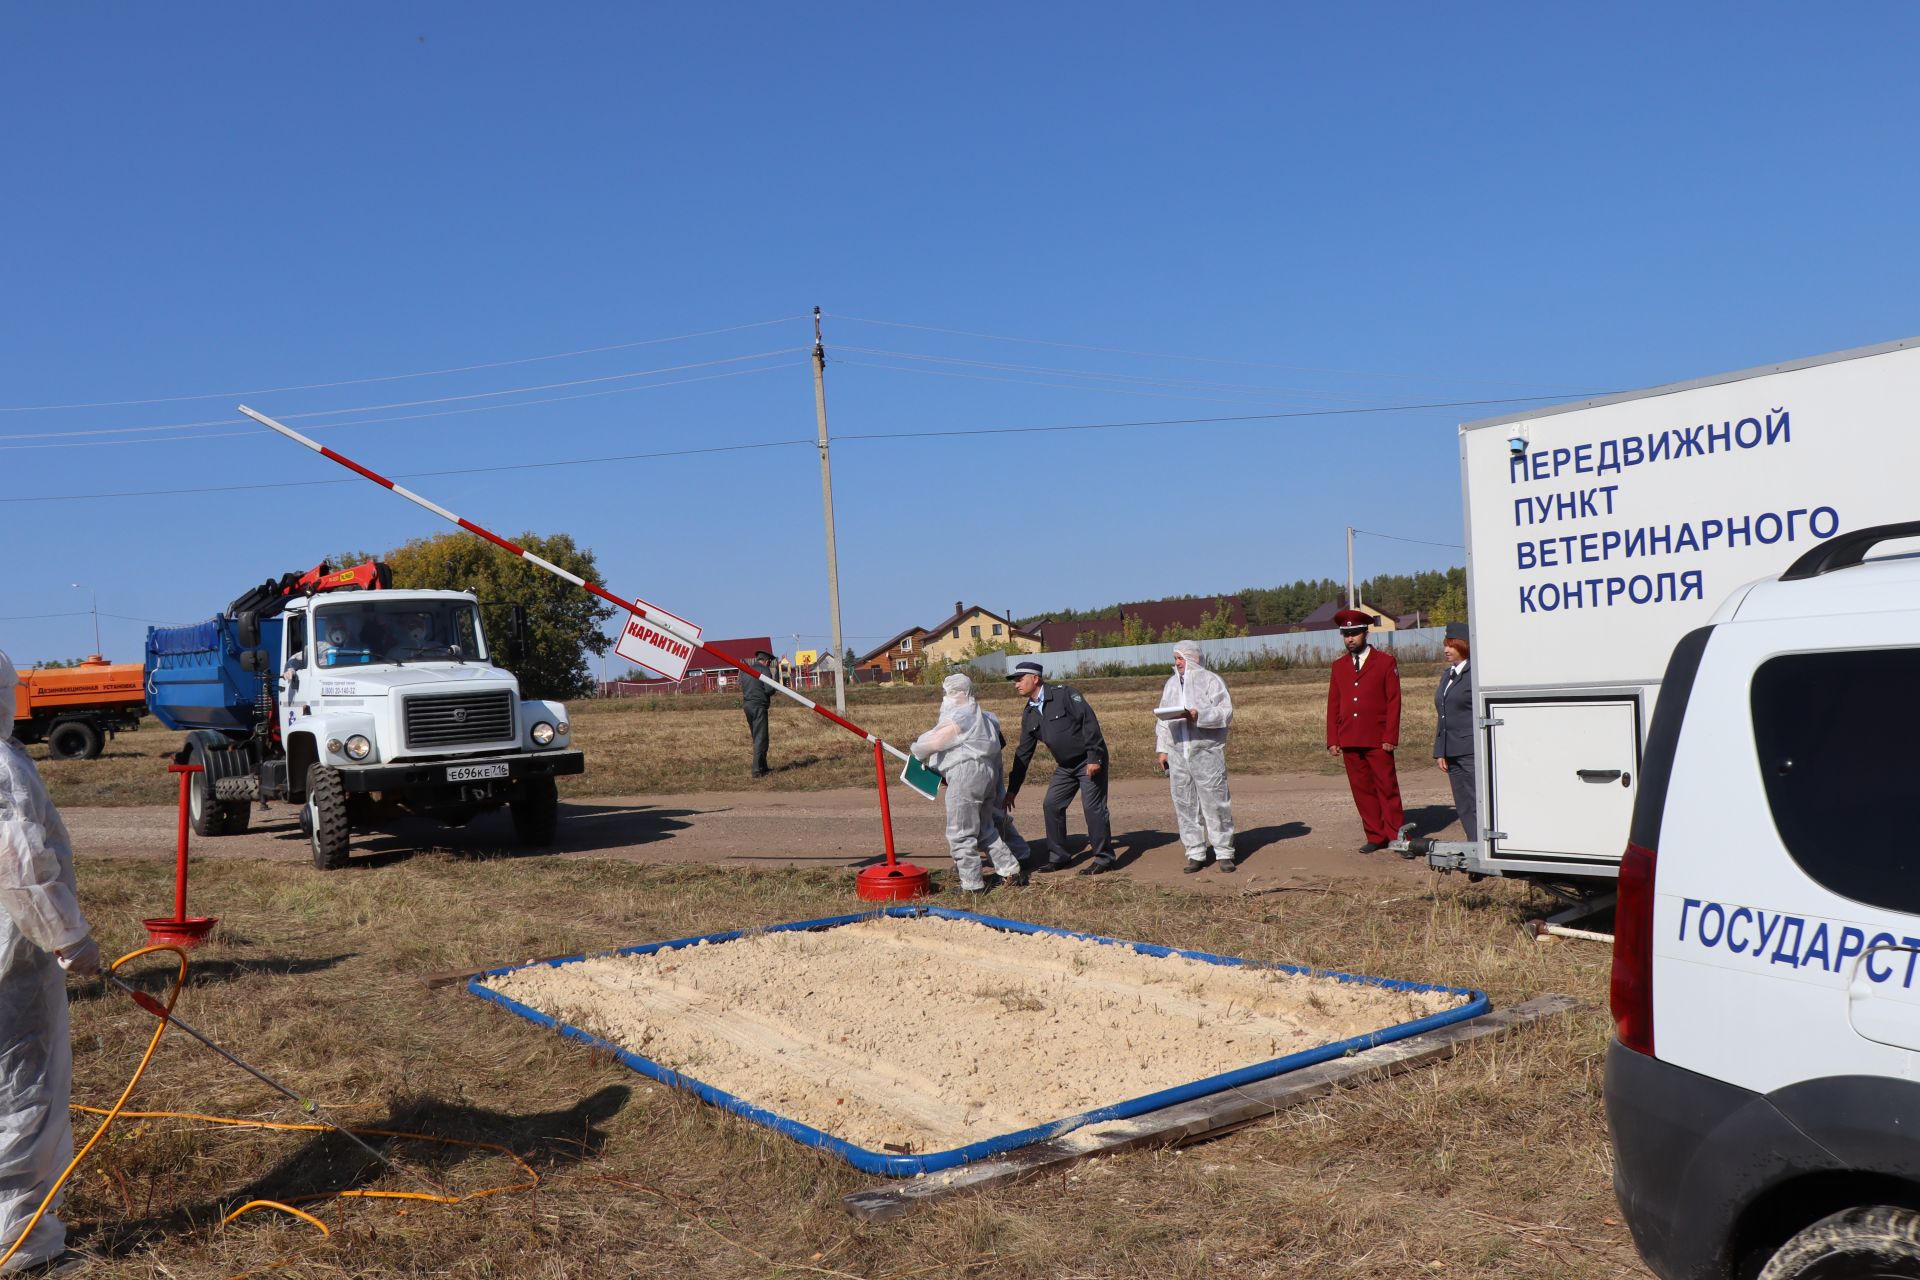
(986, 1032)
(1294, 829)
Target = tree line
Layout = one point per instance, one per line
(1441, 593)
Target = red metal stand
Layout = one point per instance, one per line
(182, 930)
(893, 879)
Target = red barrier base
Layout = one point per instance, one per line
(190, 932)
(884, 883)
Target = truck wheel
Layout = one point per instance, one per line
(1878, 1241)
(536, 812)
(326, 817)
(203, 811)
(211, 817)
(73, 740)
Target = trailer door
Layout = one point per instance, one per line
(1561, 777)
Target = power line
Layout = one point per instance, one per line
(412, 417)
(33, 617)
(1187, 422)
(1117, 391)
(1145, 424)
(410, 404)
(1186, 384)
(398, 377)
(1394, 537)
(1162, 355)
(412, 475)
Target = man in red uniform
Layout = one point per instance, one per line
(1363, 726)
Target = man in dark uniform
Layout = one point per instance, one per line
(755, 698)
(1453, 728)
(1363, 727)
(1058, 716)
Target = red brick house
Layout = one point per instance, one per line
(1157, 615)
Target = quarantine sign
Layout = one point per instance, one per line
(655, 639)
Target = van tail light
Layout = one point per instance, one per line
(1632, 989)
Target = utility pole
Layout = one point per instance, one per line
(1351, 603)
(826, 501)
(96, 615)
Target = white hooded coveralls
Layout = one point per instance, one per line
(963, 747)
(39, 913)
(1196, 752)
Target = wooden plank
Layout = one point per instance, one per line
(1203, 1117)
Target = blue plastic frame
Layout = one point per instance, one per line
(906, 1166)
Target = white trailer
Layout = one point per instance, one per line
(1601, 532)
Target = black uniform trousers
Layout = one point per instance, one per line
(757, 723)
(1465, 802)
(1093, 803)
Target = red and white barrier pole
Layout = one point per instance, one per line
(658, 622)
(664, 624)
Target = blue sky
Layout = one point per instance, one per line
(1256, 210)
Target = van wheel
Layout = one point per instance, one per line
(1879, 1241)
(536, 812)
(73, 740)
(325, 817)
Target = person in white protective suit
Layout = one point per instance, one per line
(1193, 752)
(42, 933)
(963, 747)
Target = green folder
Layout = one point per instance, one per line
(921, 778)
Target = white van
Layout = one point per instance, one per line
(1763, 1088)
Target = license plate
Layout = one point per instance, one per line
(475, 772)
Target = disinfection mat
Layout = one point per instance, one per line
(912, 1039)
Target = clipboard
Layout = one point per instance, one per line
(1170, 713)
(920, 778)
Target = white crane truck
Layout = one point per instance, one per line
(357, 702)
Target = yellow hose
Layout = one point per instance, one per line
(117, 1110)
(160, 1029)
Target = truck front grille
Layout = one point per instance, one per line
(458, 719)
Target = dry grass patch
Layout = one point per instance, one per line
(1494, 1164)
(131, 770)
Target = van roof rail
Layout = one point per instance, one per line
(1847, 550)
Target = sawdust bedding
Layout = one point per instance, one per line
(928, 1033)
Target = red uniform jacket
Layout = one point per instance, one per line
(1363, 709)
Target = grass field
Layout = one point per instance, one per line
(1491, 1165)
(664, 746)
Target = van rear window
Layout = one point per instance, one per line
(1841, 762)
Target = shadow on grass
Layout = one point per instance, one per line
(584, 827)
(328, 1162)
(155, 979)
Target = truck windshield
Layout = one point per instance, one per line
(396, 631)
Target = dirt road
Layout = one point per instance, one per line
(1293, 828)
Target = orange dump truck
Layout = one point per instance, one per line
(74, 710)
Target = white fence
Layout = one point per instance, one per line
(1310, 648)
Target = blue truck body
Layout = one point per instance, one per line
(200, 676)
